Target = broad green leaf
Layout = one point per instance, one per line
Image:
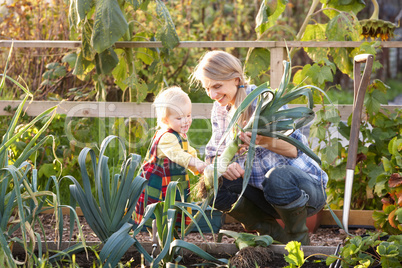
(320, 74)
(342, 60)
(299, 78)
(120, 74)
(338, 29)
(146, 55)
(135, 3)
(318, 132)
(83, 7)
(138, 88)
(315, 32)
(46, 170)
(73, 14)
(331, 153)
(82, 67)
(268, 13)
(386, 249)
(87, 51)
(167, 32)
(296, 255)
(331, 259)
(106, 61)
(109, 25)
(59, 72)
(342, 5)
(373, 101)
(258, 61)
(70, 58)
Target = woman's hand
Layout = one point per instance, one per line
(233, 172)
(246, 138)
(275, 145)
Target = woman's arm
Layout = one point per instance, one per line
(275, 145)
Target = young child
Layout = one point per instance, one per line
(170, 155)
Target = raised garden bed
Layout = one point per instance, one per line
(324, 241)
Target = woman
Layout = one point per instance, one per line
(284, 183)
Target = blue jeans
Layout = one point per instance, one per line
(284, 187)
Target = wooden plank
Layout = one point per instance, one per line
(356, 217)
(64, 211)
(196, 44)
(278, 55)
(40, 43)
(130, 110)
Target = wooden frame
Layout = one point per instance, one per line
(278, 53)
(129, 109)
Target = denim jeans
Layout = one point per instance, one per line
(284, 187)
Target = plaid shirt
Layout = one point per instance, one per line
(264, 158)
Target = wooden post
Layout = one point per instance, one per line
(278, 55)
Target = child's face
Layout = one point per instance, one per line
(179, 117)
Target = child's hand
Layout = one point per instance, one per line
(200, 166)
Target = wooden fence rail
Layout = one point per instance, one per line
(129, 110)
(277, 48)
(145, 110)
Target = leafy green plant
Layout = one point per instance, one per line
(296, 258)
(389, 186)
(370, 250)
(379, 128)
(53, 72)
(243, 240)
(100, 24)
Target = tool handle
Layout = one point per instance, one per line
(362, 58)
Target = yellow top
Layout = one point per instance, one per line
(169, 147)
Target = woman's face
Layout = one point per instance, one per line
(224, 92)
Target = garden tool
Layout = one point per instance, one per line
(360, 85)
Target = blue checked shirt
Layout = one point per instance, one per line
(264, 159)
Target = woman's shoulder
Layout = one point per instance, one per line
(250, 88)
(217, 109)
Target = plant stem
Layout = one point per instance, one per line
(304, 25)
(376, 10)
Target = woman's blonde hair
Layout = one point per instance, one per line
(167, 100)
(221, 66)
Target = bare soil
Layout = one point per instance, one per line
(322, 237)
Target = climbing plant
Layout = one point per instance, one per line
(100, 24)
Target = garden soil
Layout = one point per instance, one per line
(322, 237)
